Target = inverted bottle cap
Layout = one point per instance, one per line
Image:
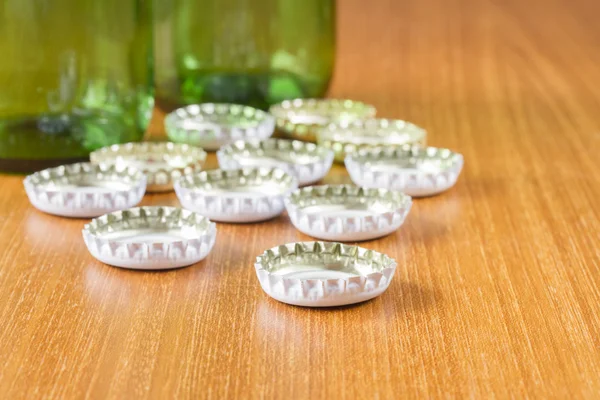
(306, 161)
(323, 274)
(150, 238)
(413, 170)
(241, 195)
(212, 125)
(346, 212)
(161, 162)
(301, 118)
(85, 190)
(348, 137)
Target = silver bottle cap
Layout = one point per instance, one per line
(348, 137)
(240, 195)
(211, 125)
(346, 212)
(301, 118)
(150, 238)
(323, 274)
(307, 161)
(415, 171)
(162, 162)
(85, 190)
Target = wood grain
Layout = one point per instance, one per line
(497, 293)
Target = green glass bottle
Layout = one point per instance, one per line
(253, 52)
(75, 75)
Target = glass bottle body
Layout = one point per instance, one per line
(76, 75)
(256, 52)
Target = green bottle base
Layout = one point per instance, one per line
(24, 166)
(31, 144)
(253, 88)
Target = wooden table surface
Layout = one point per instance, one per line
(497, 290)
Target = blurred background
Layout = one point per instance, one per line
(81, 74)
(78, 75)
